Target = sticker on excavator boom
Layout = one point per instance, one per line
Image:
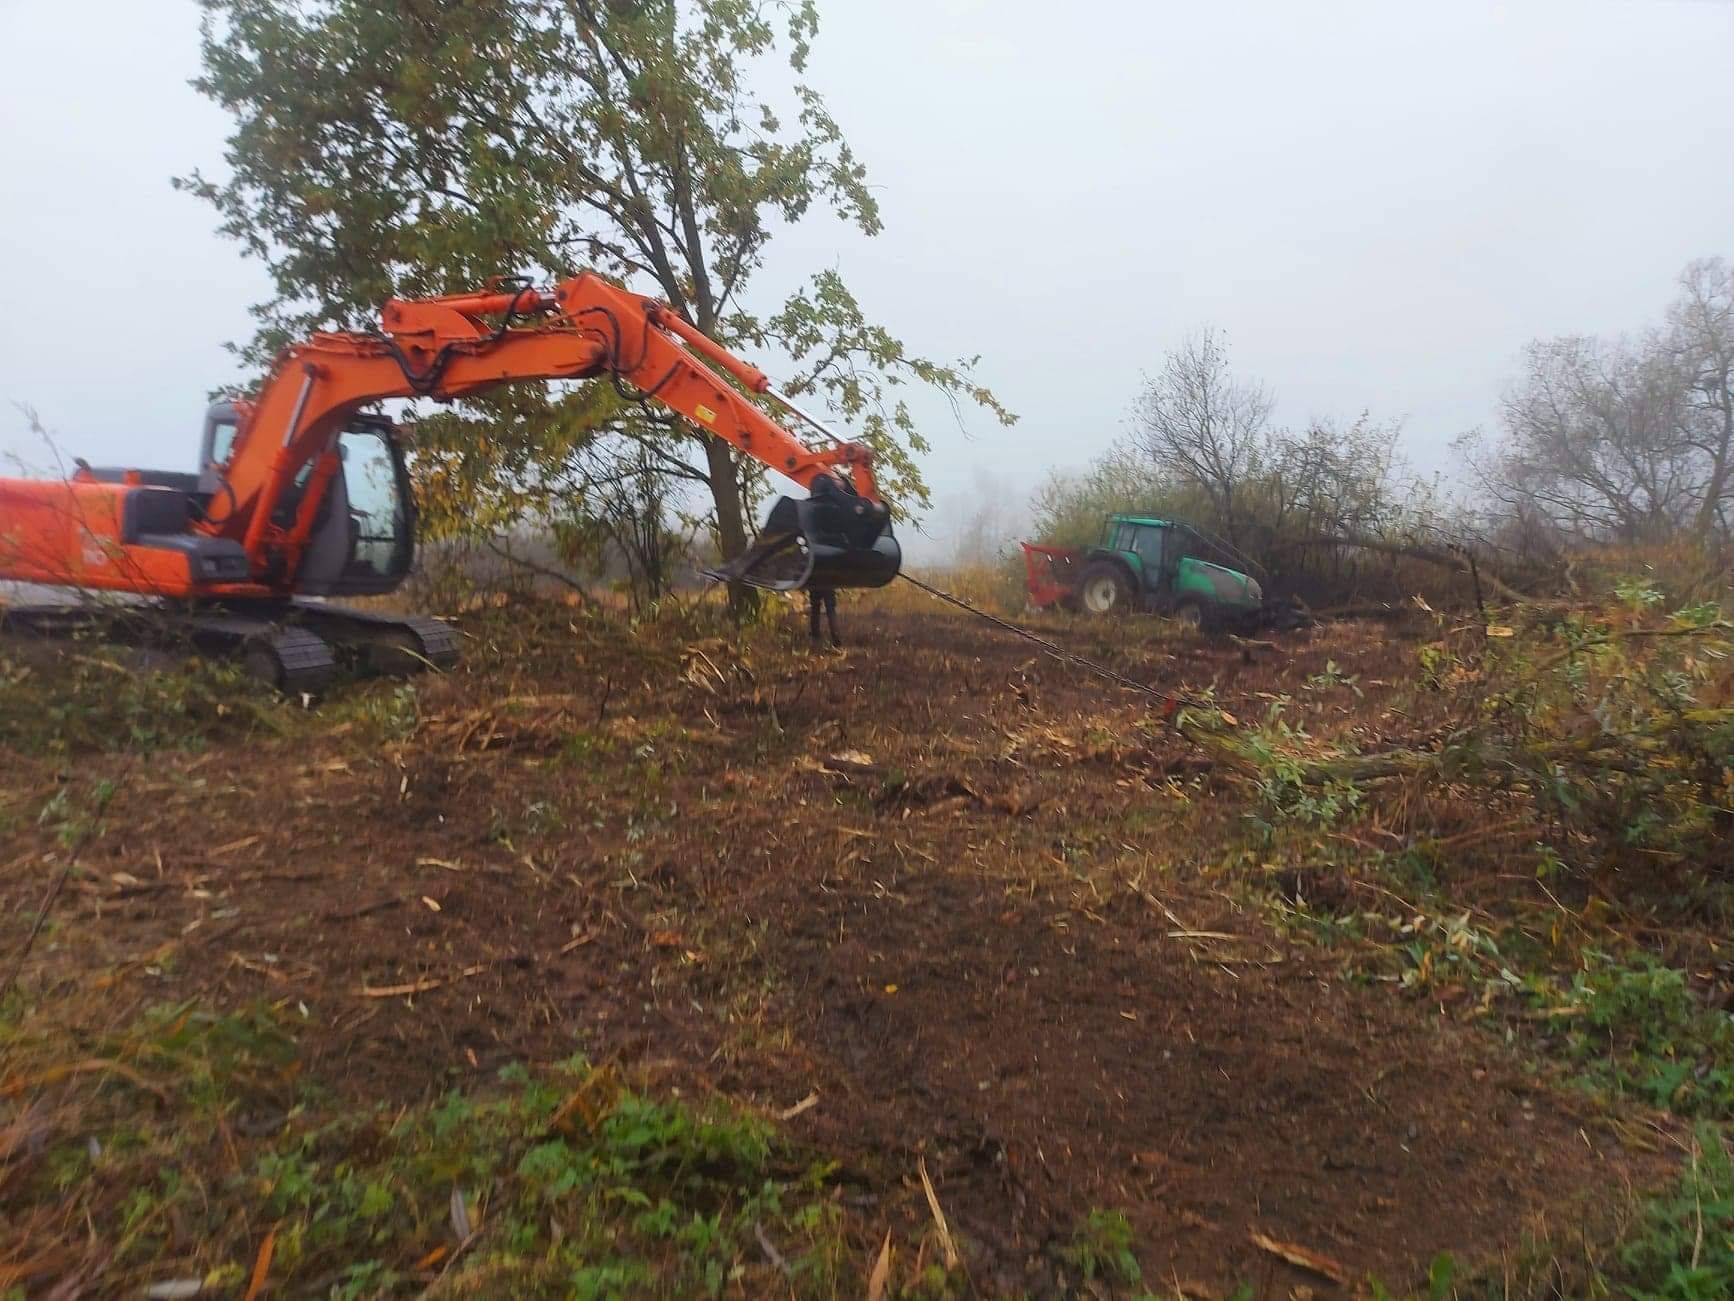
(704, 413)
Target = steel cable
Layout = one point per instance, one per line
(1171, 700)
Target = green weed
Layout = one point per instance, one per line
(1683, 1249)
(84, 699)
(557, 1182)
(1101, 1247)
(1639, 1028)
(382, 712)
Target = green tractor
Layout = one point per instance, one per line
(1158, 565)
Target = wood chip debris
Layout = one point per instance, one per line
(805, 1104)
(419, 986)
(1302, 1258)
(1201, 935)
(945, 1243)
(461, 1224)
(261, 1265)
(881, 1271)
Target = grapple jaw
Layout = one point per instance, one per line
(827, 542)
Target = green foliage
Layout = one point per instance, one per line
(1608, 730)
(1611, 728)
(1444, 949)
(1102, 1247)
(1638, 594)
(1333, 676)
(385, 711)
(1441, 1281)
(1639, 1028)
(414, 150)
(1290, 786)
(76, 813)
(1684, 1249)
(572, 1184)
(81, 699)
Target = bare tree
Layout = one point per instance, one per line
(1700, 338)
(1198, 424)
(1336, 479)
(1594, 429)
(1630, 440)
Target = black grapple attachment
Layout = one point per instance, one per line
(828, 541)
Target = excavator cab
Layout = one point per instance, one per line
(363, 540)
(830, 540)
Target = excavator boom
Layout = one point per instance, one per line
(446, 348)
(274, 518)
(272, 487)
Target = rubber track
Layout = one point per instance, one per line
(304, 662)
(439, 641)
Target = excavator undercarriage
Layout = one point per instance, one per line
(294, 646)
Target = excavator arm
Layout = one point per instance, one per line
(286, 440)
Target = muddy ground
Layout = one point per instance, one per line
(967, 897)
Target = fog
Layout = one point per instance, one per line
(1380, 203)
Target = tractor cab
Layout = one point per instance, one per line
(1144, 562)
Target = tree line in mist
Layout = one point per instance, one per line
(1624, 442)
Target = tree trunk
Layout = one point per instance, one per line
(731, 524)
(1445, 559)
(1705, 525)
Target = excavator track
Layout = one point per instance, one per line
(294, 647)
(382, 643)
(292, 660)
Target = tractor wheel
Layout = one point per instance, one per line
(1190, 615)
(1104, 590)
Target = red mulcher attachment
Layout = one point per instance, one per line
(1052, 574)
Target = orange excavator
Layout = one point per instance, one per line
(305, 494)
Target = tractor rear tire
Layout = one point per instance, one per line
(1192, 616)
(1104, 590)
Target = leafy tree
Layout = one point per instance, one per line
(414, 147)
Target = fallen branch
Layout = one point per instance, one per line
(1303, 1258)
(1452, 558)
(432, 982)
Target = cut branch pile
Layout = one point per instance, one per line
(1624, 733)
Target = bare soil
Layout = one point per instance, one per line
(970, 899)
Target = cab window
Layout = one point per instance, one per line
(222, 441)
(379, 522)
(1149, 545)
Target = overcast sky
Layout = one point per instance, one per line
(1380, 202)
